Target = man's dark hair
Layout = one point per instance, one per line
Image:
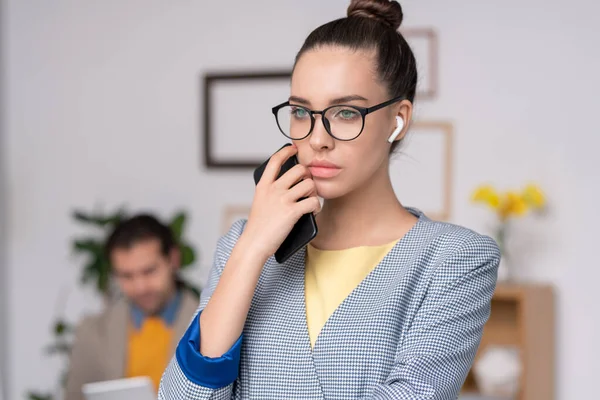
(138, 229)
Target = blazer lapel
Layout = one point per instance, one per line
(185, 314)
(277, 333)
(116, 336)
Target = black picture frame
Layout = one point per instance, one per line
(208, 82)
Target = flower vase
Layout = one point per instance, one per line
(505, 272)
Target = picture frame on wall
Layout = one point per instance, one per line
(424, 44)
(422, 170)
(239, 129)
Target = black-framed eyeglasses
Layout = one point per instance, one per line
(342, 122)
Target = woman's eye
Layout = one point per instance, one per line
(299, 112)
(347, 113)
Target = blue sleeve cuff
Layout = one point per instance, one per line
(213, 373)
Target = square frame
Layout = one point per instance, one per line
(446, 165)
(429, 35)
(208, 82)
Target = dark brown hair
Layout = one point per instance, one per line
(137, 229)
(373, 25)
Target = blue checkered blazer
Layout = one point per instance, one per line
(410, 330)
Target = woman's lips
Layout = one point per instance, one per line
(323, 169)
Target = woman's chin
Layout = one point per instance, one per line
(329, 190)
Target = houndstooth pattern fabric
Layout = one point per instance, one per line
(410, 330)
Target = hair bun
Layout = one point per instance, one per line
(385, 11)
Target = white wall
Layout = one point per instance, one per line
(102, 107)
(3, 197)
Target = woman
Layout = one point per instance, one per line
(384, 303)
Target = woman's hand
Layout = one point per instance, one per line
(277, 206)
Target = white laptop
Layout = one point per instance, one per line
(120, 389)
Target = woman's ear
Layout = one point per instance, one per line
(398, 130)
(403, 113)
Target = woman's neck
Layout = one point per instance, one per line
(369, 216)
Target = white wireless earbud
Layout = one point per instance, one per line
(399, 126)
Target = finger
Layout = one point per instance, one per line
(276, 161)
(305, 188)
(293, 176)
(308, 205)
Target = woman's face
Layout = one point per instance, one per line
(331, 76)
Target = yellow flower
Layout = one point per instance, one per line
(486, 194)
(512, 204)
(534, 197)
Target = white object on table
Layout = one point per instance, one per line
(120, 389)
(481, 397)
(497, 371)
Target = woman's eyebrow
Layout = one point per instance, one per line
(339, 100)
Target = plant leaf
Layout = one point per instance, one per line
(59, 347)
(89, 272)
(81, 216)
(194, 289)
(188, 255)
(90, 245)
(102, 275)
(93, 270)
(99, 219)
(177, 225)
(39, 396)
(61, 327)
(63, 378)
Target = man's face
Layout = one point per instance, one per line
(145, 275)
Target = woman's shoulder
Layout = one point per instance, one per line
(450, 235)
(454, 246)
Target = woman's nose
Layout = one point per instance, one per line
(319, 138)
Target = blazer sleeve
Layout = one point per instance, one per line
(435, 356)
(81, 360)
(190, 375)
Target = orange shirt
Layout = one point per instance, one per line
(149, 342)
(148, 350)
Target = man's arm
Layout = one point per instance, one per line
(81, 362)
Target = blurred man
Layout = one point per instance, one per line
(137, 334)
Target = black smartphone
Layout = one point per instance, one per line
(304, 230)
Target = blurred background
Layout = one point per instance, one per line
(103, 106)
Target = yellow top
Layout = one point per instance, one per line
(331, 275)
(148, 350)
